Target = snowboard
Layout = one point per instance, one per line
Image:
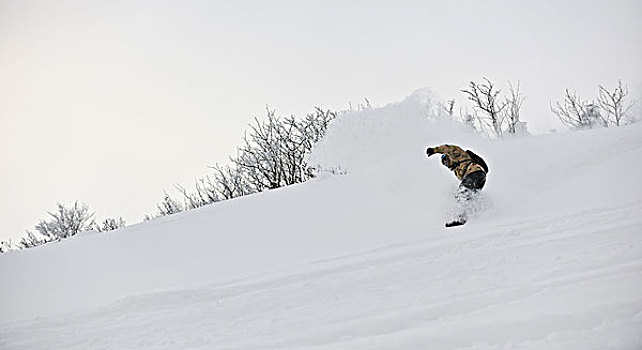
(455, 223)
(465, 209)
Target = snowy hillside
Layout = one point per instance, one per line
(361, 260)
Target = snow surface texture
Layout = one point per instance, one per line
(361, 260)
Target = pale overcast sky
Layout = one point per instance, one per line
(112, 102)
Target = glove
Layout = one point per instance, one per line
(430, 151)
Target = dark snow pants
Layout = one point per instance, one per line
(474, 181)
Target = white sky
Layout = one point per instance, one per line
(112, 102)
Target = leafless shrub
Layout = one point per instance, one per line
(611, 109)
(66, 222)
(63, 223)
(485, 99)
(111, 224)
(274, 152)
(614, 104)
(576, 113)
(167, 206)
(273, 155)
(6, 246)
(513, 103)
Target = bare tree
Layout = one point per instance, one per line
(226, 182)
(262, 156)
(229, 182)
(513, 103)
(192, 200)
(614, 104)
(167, 206)
(313, 127)
(485, 99)
(577, 113)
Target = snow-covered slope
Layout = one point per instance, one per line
(361, 260)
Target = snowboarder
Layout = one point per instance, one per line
(469, 168)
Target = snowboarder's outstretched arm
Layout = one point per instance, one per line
(455, 153)
(456, 159)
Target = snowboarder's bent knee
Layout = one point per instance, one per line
(475, 180)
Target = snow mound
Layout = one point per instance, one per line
(393, 136)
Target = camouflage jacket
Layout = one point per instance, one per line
(461, 162)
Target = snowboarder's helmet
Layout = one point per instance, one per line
(445, 160)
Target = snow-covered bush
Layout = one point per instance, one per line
(167, 206)
(6, 246)
(274, 154)
(111, 224)
(30, 241)
(66, 222)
